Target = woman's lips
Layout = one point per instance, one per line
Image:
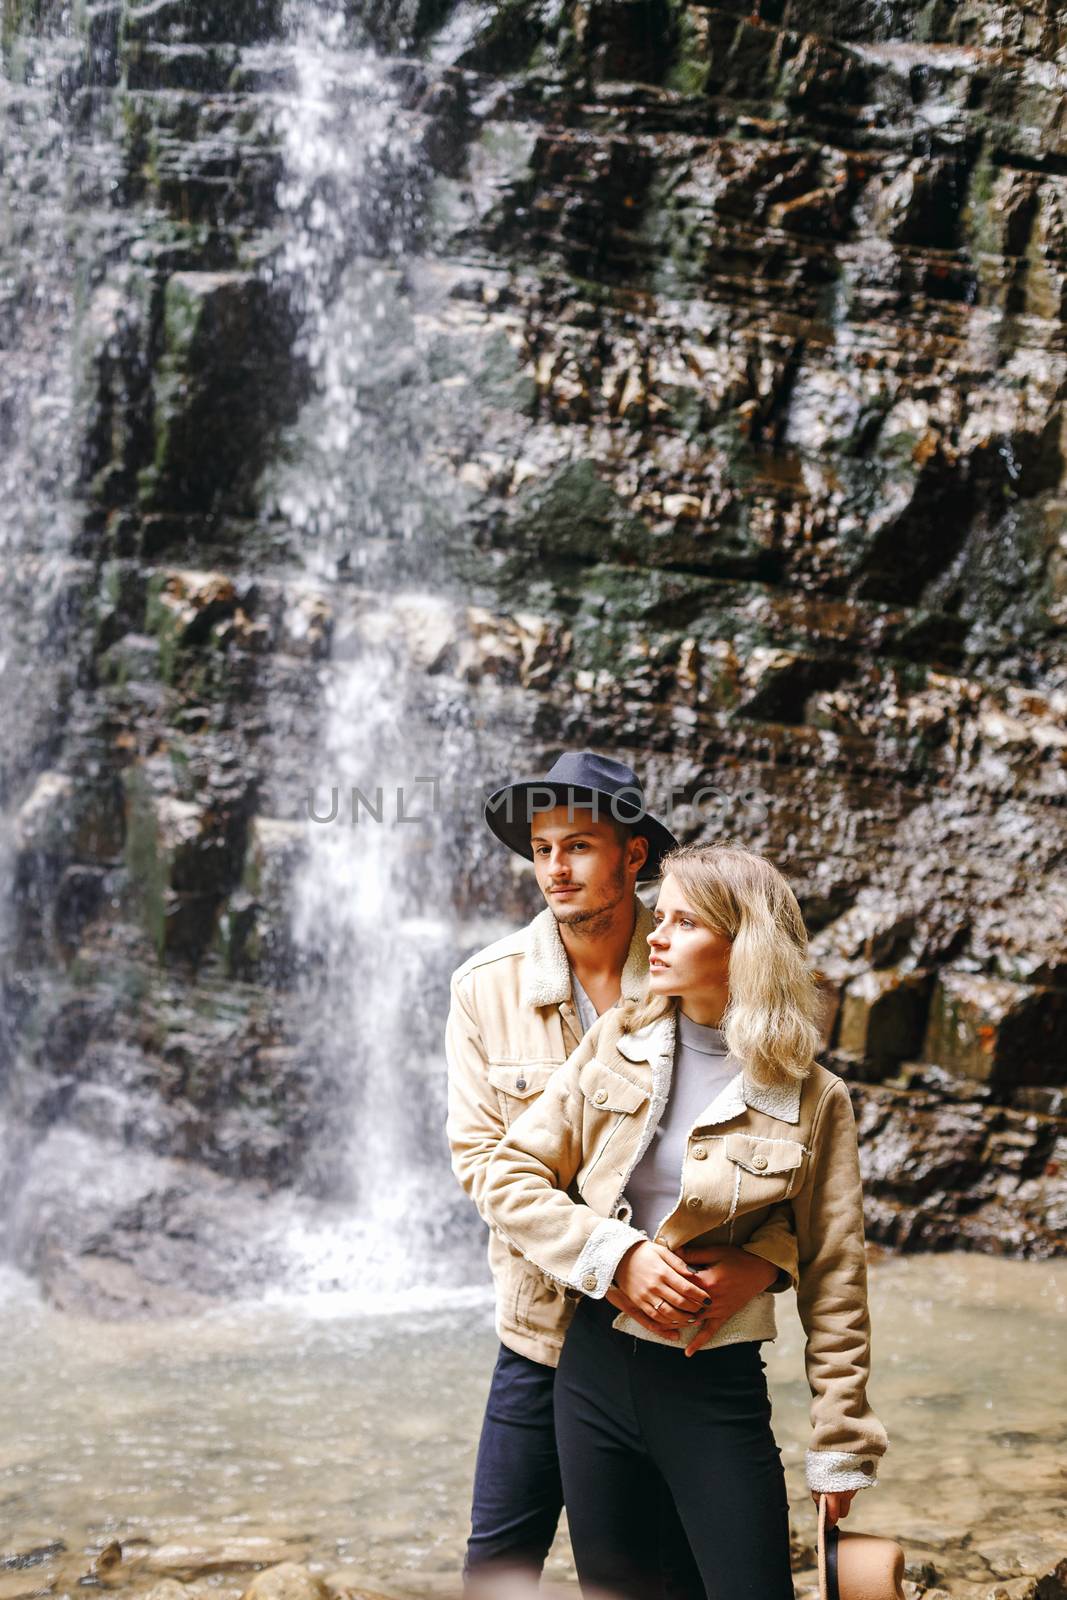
(657, 966)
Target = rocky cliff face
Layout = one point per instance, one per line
(730, 341)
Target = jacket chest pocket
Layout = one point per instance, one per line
(611, 1105)
(518, 1084)
(764, 1170)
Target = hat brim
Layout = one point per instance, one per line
(511, 811)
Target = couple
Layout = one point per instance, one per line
(651, 1179)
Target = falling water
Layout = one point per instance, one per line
(37, 309)
(373, 916)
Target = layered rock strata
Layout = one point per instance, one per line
(738, 337)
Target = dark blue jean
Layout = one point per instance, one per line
(518, 1495)
(633, 1417)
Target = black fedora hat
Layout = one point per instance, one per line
(608, 790)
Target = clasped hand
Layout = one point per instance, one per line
(703, 1285)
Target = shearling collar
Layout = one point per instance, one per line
(546, 972)
(655, 1044)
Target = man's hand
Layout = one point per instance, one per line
(731, 1277)
(660, 1285)
(621, 1302)
(837, 1503)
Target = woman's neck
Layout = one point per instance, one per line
(707, 1010)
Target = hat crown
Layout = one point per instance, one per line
(584, 769)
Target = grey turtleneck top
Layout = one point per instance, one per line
(701, 1068)
(587, 1011)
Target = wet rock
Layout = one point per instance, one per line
(106, 1563)
(344, 1585)
(254, 931)
(223, 384)
(168, 1589)
(205, 68)
(628, 40)
(170, 21)
(883, 1016)
(920, 206)
(17, 1560)
(182, 853)
(287, 1581)
(996, 1031)
(182, 608)
(307, 626)
(239, 1553)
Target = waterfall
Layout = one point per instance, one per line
(374, 926)
(37, 520)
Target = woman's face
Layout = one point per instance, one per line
(686, 957)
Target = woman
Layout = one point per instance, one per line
(679, 1124)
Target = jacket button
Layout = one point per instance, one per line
(520, 1083)
(601, 1097)
(760, 1162)
(699, 1153)
(589, 1281)
(693, 1202)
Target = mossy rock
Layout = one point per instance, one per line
(223, 387)
(575, 513)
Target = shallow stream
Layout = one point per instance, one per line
(351, 1429)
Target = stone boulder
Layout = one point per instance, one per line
(287, 1581)
(997, 1031)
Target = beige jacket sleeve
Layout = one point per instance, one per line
(525, 1194)
(475, 1121)
(848, 1439)
(775, 1240)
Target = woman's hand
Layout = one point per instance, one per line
(660, 1285)
(732, 1277)
(622, 1302)
(837, 1503)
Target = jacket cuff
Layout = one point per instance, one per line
(830, 1470)
(604, 1249)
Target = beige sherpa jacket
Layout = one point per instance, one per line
(555, 1189)
(512, 1022)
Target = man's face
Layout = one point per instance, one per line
(584, 870)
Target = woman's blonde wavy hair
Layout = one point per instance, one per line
(770, 1022)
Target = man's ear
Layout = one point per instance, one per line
(637, 852)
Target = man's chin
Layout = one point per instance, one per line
(570, 914)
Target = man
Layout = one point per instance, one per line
(519, 1008)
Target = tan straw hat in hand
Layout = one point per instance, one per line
(857, 1566)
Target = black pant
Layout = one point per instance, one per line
(518, 1495)
(631, 1416)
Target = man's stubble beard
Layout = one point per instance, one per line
(596, 921)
